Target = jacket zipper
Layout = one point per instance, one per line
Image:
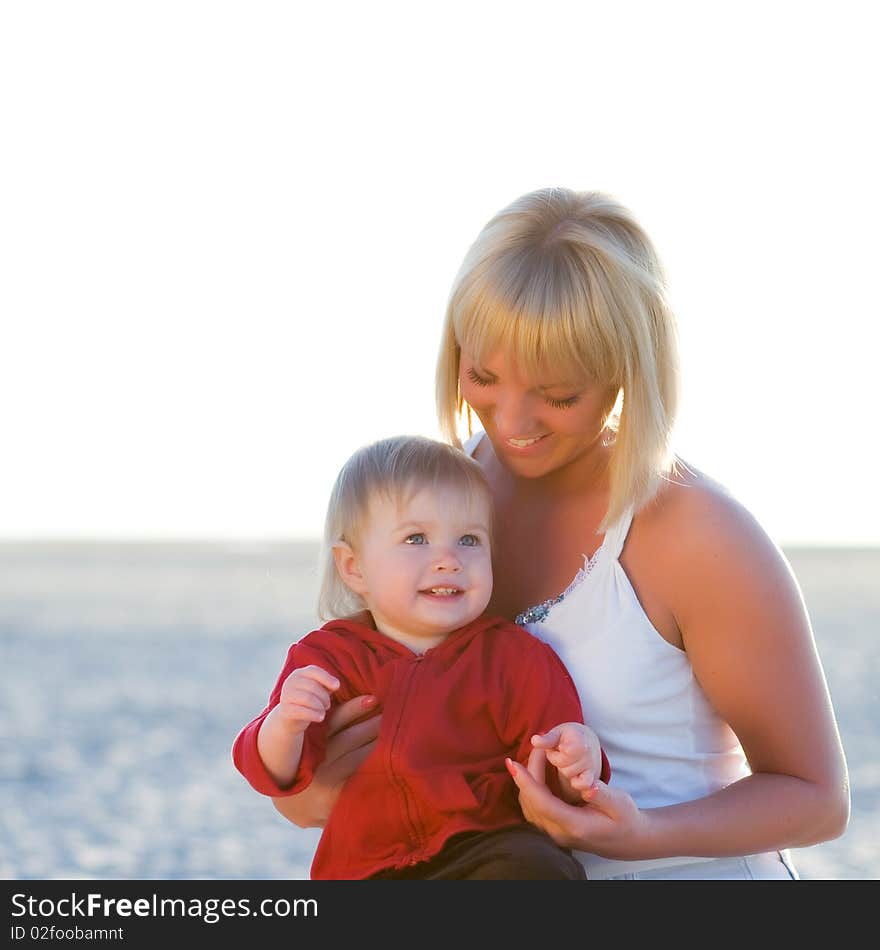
(408, 810)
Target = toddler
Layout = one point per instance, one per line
(407, 564)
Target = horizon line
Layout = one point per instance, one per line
(282, 539)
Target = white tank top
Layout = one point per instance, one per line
(664, 741)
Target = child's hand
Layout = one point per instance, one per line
(574, 749)
(305, 698)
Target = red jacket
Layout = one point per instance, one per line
(449, 718)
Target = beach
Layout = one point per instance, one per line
(128, 668)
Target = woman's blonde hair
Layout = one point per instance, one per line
(569, 280)
(395, 468)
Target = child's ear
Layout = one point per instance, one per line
(348, 567)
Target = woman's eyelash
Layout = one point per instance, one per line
(562, 403)
(567, 403)
(472, 375)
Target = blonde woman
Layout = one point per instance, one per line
(668, 603)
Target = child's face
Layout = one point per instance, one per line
(425, 564)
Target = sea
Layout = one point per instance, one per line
(129, 667)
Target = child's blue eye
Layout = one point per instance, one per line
(469, 540)
(417, 538)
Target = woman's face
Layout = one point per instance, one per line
(536, 426)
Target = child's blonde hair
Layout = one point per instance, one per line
(569, 280)
(393, 468)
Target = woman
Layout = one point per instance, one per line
(679, 619)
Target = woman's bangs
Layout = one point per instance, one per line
(557, 342)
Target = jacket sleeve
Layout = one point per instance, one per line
(544, 697)
(245, 754)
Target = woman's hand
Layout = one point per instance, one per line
(349, 742)
(608, 823)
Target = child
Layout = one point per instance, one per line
(408, 537)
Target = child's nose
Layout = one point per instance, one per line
(447, 560)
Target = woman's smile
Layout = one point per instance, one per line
(537, 426)
(525, 443)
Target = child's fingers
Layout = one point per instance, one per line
(570, 756)
(583, 780)
(298, 712)
(309, 680)
(319, 675)
(563, 762)
(306, 699)
(306, 693)
(570, 771)
(549, 739)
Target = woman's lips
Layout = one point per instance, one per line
(521, 445)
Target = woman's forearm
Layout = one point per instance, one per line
(350, 740)
(309, 808)
(759, 813)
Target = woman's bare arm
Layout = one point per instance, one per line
(748, 636)
(350, 739)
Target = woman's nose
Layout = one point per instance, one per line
(512, 417)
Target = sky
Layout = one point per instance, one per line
(229, 230)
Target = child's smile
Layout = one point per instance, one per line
(423, 564)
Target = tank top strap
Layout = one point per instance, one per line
(469, 446)
(616, 534)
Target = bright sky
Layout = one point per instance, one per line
(228, 231)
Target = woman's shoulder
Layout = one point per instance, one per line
(698, 554)
(693, 516)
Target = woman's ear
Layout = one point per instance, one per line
(348, 567)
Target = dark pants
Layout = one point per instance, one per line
(518, 853)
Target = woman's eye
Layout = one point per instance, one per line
(562, 403)
(417, 538)
(469, 540)
(474, 377)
